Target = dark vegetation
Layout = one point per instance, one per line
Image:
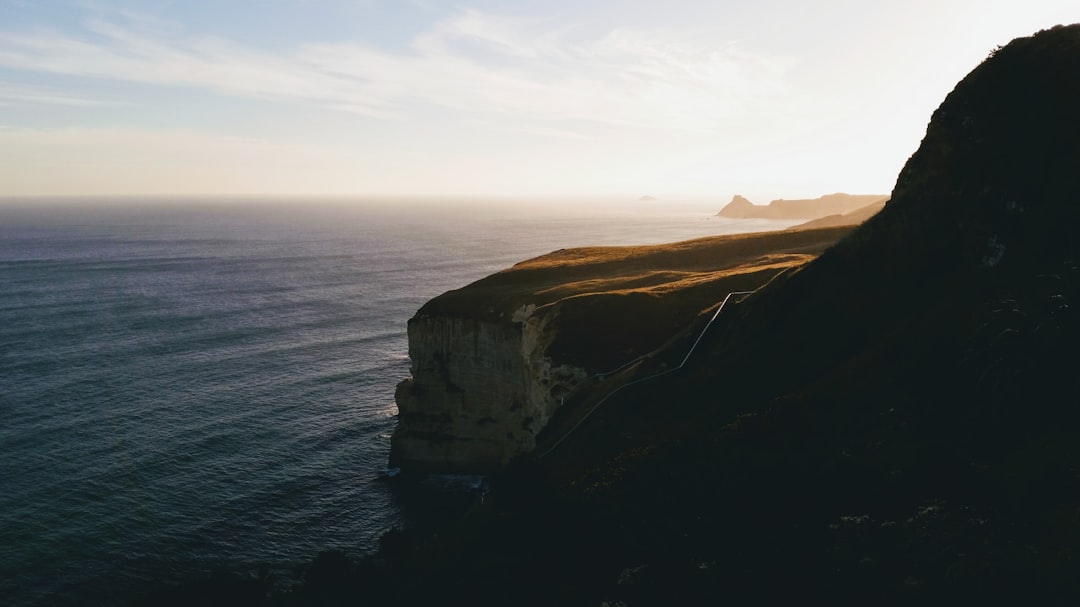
(897, 422)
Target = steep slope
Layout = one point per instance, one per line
(898, 421)
(985, 210)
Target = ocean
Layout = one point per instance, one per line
(194, 385)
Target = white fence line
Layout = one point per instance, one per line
(643, 379)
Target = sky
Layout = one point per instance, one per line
(767, 98)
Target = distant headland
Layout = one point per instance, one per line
(808, 209)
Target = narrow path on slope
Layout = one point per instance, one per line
(607, 396)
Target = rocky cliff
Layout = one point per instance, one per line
(494, 361)
(481, 390)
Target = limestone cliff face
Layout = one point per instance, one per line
(481, 390)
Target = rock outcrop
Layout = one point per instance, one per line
(738, 208)
(481, 390)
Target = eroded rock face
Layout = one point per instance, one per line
(480, 391)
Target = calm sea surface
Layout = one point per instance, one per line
(187, 386)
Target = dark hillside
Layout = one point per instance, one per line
(909, 402)
(988, 204)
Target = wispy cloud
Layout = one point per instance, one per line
(140, 19)
(527, 70)
(13, 93)
(550, 132)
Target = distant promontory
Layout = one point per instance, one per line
(813, 208)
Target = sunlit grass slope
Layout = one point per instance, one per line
(614, 303)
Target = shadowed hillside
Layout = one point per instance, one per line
(894, 423)
(898, 420)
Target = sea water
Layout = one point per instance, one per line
(194, 385)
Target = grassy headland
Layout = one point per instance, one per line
(620, 302)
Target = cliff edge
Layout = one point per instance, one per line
(493, 362)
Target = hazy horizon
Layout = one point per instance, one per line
(478, 99)
(329, 205)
